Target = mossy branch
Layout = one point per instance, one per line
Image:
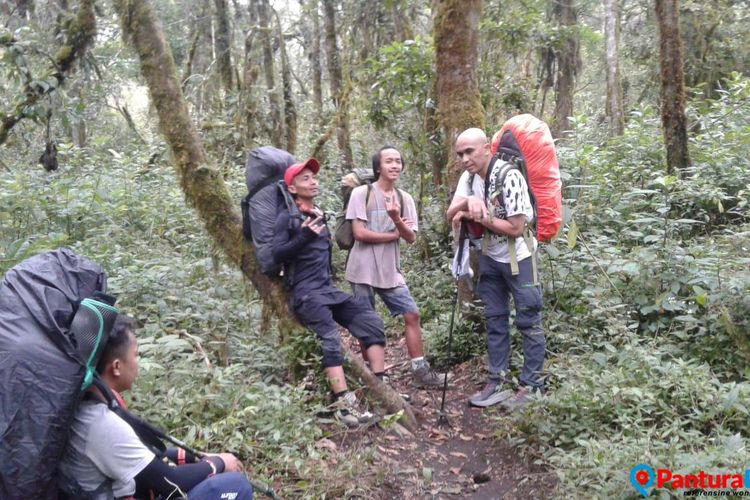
(80, 33)
(340, 114)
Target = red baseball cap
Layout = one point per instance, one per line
(294, 170)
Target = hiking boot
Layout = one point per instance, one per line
(519, 400)
(349, 413)
(492, 394)
(424, 376)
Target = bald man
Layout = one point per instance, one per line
(501, 217)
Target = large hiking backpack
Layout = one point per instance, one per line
(344, 234)
(55, 319)
(267, 194)
(526, 142)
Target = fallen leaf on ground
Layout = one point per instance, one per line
(327, 444)
(452, 490)
(458, 454)
(456, 470)
(464, 437)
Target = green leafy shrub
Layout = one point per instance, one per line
(634, 403)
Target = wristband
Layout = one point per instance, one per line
(216, 467)
(213, 468)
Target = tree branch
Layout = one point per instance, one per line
(80, 33)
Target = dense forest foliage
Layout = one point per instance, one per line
(647, 289)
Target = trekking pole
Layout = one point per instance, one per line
(442, 417)
(462, 235)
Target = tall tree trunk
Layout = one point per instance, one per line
(248, 97)
(198, 31)
(312, 42)
(274, 102)
(567, 64)
(77, 125)
(456, 33)
(672, 85)
(335, 76)
(223, 52)
(290, 111)
(614, 108)
(401, 22)
(202, 183)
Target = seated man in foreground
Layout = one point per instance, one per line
(106, 459)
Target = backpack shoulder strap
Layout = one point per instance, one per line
(500, 173)
(367, 196)
(291, 206)
(147, 433)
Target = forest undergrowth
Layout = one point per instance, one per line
(647, 307)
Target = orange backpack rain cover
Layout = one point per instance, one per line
(543, 171)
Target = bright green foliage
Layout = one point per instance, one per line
(639, 402)
(402, 72)
(193, 309)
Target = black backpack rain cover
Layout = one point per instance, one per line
(40, 371)
(265, 167)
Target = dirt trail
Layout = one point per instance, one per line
(462, 460)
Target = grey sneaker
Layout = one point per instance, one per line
(349, 413)
(492, 394)
(424, 376)
(519, 400)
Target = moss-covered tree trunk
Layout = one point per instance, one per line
(310, 29)
(274, 101)
(223, 53)
(338, 91)
(456, 32)
(248, 109)
(290, 110)
(673, 117)
(202, 183)
(614, 107)
(564, 11)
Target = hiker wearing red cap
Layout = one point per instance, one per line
(303, 247)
